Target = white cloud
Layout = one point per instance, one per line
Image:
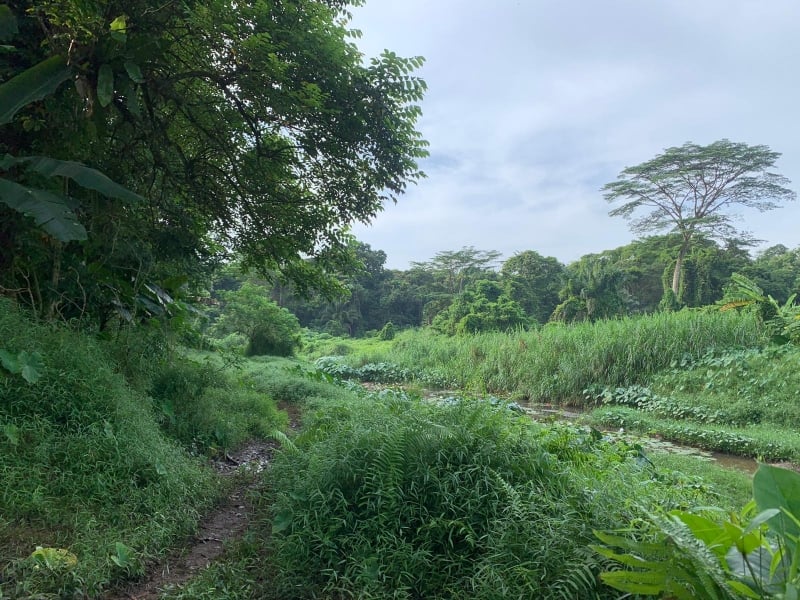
(534, 104)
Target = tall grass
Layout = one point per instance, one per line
(557, 362)
(87, 470)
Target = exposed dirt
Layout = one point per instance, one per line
(226, 523)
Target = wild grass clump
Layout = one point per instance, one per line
(403, 499)
(207, 410)
(85, 469)
(557, 362)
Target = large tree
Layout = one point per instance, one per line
(534, 281)
(248, 128)
(694, 190)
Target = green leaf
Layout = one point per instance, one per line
(123, 555)
(119, 29)
(9, 361)
(30, 366)
(744, 590)
(49, 211)
(134, 72)
(105, 85)
(12, 434)
(8, 23)
(636, 582)
(31, 85)
(774, 487)
(80, 174)
(128, 89)
(282, 521)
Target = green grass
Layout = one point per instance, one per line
(91, 462)
(763, 442)
(557, 362)
(731, 488)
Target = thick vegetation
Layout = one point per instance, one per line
(93, 468)
(557, 363)
(386, 496)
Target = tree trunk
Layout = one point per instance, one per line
(676, 274)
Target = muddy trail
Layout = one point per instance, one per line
(226, 523)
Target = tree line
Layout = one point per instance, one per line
(470, 290)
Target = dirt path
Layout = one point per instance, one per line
(227, 523)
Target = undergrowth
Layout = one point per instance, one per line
(88, 474)
(387, 496)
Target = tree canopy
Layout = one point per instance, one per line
(254, 129)
(693, 190)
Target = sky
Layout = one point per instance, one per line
(533, 105)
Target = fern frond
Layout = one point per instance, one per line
(284, 441)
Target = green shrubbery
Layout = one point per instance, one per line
(397, 498)
(267, 328)
(205, 409)
(86, 467)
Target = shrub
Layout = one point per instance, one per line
(387, 332)
(201, 407)
(269, 328)
(397, 498)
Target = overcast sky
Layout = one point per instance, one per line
(533, 105)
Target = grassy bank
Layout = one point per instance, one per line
(104, 447)
(744, 402)
(557, 362)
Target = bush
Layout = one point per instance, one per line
(387, 332)
(201, 407)
(397, 498)
(269, 329)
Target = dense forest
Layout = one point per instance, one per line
(472, 290)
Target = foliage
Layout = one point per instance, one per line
(593, 291)
(397, 498)
(26, 364)
(776, 270)
(782, 321)
(85, 466)
(201, 407)
(688, 189)
(534, 281)
(742, 402)
(752, 554)
(456, 269)
(381, 372)
(257, 129)
(482, 306)
(269, 328)
(387, 332)
(557, 362)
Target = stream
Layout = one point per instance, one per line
(547, 413)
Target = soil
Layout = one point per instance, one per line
(225, 524)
